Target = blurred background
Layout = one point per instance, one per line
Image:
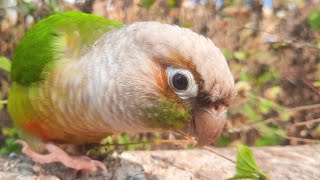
(272, 47)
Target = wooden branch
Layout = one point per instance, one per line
(286, 162)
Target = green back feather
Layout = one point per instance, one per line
(38, 48)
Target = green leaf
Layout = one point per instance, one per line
(246, 166)
(108, 140)
(146, 144)
(5, 64)
(10, 146)
(190, 146)
(314, 20)
(317, 83)
(28, 7)
(269, 130)
(285, 115)
(251, 113)
(224, 141)
(54, 6)
(265, 106)
(187, 24)
(240, 55)
(247, 176)
(244, 76)
(9, 132)
(271, 140)
(126, 141)
(273, 92)
(147, 3)
(227, 54)
(271, 75)
(171, 3)
(245, 161)
(123, 139)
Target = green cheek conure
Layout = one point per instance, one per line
(77, 78)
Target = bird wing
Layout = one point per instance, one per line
(65, 35)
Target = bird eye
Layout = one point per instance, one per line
(182, 82)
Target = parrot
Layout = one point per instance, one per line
(77, 78)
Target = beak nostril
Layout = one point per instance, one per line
(216, 107)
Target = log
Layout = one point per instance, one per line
(286, 162)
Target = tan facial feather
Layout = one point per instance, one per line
(179, 47)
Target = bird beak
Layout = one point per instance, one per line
(206, 125)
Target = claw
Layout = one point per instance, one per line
(56, 154)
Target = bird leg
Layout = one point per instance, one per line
(56, 154)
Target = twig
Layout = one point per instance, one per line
(293, 41)
(311, 86)
(307, 122)
(161, 141)
(256, 125)
(294, 109)
(313, 141)
(211, 150)
(306, 107)
(249, 126)
(260, 98)
(3, 101)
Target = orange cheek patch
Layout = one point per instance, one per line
(161, 80)
(163, 87)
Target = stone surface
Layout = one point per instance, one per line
(289, 162)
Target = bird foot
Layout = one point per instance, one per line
(56, 154)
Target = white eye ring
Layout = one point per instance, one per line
(192, 87)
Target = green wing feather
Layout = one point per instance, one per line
(67, 34)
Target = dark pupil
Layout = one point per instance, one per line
(180, 81)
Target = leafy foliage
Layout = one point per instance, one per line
(314, 20)
(246, 166)
(9, 144)
(171, 3)
(147, 3)
(317, 83)
(240, 55)
(118, 143)
(5, 64)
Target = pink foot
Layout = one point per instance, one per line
(56, 154)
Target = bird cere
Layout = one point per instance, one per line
(91, 77)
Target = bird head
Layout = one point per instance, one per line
(170, 79)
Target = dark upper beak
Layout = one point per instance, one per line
(206, 125)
